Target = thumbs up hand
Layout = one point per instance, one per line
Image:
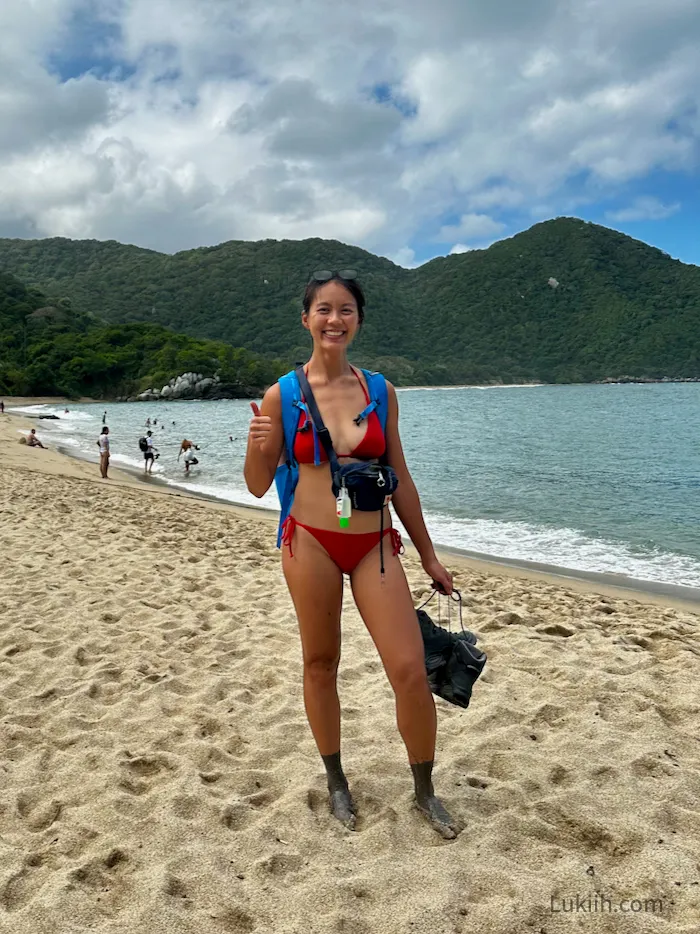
(260, 427)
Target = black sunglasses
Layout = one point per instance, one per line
(325, 275)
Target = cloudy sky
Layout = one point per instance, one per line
(413, 128)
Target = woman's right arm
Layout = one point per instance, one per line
(265, 442)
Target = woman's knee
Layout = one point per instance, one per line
(321, 670)
(408, 677)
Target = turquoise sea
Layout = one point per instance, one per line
(590, 478)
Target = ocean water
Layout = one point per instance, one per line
(589, 478)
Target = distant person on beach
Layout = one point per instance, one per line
(103, 445)
(104, 417)
(33, 441)
(148, 422)
(325, 537)
(188, 448)
(2, 408)
(149, 453)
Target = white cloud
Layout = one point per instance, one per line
(370, 123)
(644, 209)
(460, 248)
(405, 257)
(471, 227)
(499, 197)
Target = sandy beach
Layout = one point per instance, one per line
(158, 774)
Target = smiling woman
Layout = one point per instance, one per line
(316, 553)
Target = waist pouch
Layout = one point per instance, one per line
(368, 485)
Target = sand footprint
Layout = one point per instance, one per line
(280, 864)
(103, 875)
(556, 629)
(37, 814)
(237, 816)
(236, 920)
(140, 770)
(22, 886)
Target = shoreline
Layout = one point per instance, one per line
(11, 401)
(602, 583)
(481, 386)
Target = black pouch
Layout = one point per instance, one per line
(368, 485)
(452, 661)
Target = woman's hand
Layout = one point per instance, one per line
(441, 577)
(260, 427)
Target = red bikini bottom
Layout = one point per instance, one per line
(345, 549)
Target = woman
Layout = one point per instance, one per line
(333, 311)
(103, 445)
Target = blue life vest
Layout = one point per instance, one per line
(287, 474)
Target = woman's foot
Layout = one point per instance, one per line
(439, 817)
(430, 805)
(342, 805)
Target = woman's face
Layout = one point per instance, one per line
(333, 318)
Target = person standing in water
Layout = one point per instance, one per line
(104, 417)
(148, 454)
(103, 445)
(316, 553)
(188, 448)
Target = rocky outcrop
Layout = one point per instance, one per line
(186, 386)
(649, 379)
(195, 386)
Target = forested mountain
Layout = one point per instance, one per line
(48, 348)
(565, 301)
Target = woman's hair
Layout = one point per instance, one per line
(352, 285)
(104, 429)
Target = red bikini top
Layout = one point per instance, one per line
(372, 445)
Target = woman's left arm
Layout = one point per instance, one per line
(406, 501)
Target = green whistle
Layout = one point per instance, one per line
(344, 523)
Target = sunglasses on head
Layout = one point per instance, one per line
(325, 275)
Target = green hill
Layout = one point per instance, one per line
(564, 301)
(49, 348)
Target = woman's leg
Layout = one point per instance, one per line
(388, 612)
(316, 586)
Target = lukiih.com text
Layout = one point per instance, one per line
(602, 904)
